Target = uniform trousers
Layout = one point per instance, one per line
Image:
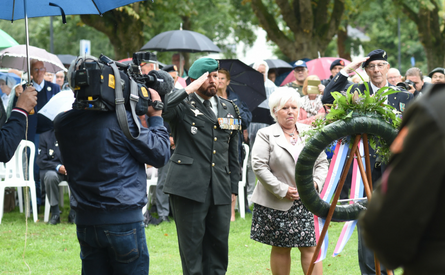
(203, 234)
(162, 201)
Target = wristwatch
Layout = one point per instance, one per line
(158, 105)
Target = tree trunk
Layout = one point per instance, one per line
(123, 30)
(311, 26)
(430, 34)
(344, 50)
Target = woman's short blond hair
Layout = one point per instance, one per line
(280, 97)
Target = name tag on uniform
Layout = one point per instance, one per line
(229, 123)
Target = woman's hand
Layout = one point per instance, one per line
(292, 194)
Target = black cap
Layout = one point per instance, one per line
(337, 62)
(375, 55)
(437, 70)
(170, 68)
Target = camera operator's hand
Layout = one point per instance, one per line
(27, 99)
(154, 97)
(194, 86)
(412, 89)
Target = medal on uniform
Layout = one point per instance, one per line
(193, 130)
(51, 152)
(229, 123)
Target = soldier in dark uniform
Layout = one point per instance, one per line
(404, 222)
(204, 170)
(376, 66)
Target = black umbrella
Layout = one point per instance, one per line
(280, 66)
(181, 41)
(246, 82)
(262, 115)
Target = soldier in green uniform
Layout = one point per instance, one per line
(204, 170)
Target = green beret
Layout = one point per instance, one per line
(201, 66)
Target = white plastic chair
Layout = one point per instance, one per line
(14, 177)
(242, 183)
(62, 184)
(153, 181)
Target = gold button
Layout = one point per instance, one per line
(214, 151)
(179, 161)
(215, 139)
(213, 164)
(214, 127)
(231, 132)
(193, 123)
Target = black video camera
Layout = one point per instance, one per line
(405, 85)
(94, 83)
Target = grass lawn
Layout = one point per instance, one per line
(55, 250)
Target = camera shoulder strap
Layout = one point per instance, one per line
(120, 104)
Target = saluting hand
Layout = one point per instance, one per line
(194, 86)
(355, 65)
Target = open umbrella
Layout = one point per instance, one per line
(22, 9)
(66, 59)
(16, 58)
(246, 82)
(181, 41)
(319, 66)
(6, 40)
(280, 66)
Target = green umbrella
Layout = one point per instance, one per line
(6, 40)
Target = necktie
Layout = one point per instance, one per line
(208, 105)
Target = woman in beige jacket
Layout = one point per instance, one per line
(279, 217)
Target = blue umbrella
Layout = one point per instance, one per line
(23, 9)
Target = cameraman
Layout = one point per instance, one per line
(107, 179)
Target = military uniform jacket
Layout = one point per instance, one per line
(340, 83)
(48, 157)
(206, 156)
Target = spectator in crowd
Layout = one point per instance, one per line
(279, 217)
(49, 77)
(415, 75)
(52, 172)
(7, 83)
(204, 171)
(60, 79)
(300, 73)
(437, 75)
(394, 76)
(272, 75)
(250, 134)
(311, 107)
(336, 66)
(179, 61)
(14, 130)
(404, 222)
(246, 118)
(376, 67)
(38, 124)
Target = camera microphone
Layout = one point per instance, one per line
(164, 83)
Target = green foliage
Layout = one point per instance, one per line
(353, 103)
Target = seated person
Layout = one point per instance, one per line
(52, 172)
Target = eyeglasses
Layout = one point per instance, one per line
(36, 70)
(379, 66)
(300, 70)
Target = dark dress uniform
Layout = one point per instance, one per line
(203, 175)
(399, 101)
(404, 222)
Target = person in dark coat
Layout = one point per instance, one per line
(404, 222)
(52, 172)
(204, 171)
(13, 131)
(376, 66)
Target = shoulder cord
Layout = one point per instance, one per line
(120, 104)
